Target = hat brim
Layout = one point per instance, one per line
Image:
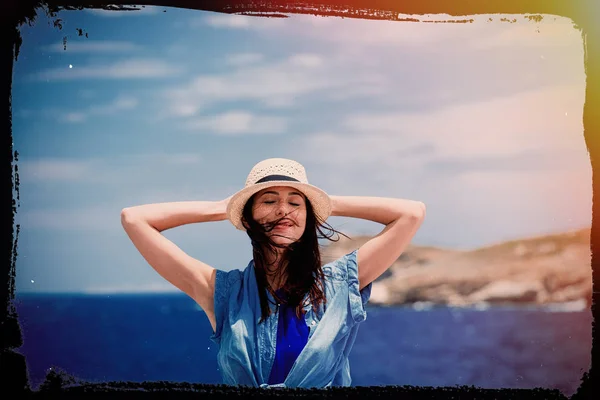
(319, 200)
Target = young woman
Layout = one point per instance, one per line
(286, 320)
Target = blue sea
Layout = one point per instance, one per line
(167, 337)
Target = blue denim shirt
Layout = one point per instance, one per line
(247, 348)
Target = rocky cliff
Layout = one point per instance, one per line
(537, 270)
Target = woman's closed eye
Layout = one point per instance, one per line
(273, 202)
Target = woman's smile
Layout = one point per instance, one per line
(284, 224)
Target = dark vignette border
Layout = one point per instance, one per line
(15, 13)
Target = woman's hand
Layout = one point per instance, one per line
(402, 218)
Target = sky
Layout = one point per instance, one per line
(480, 121)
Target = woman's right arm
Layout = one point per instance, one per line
(144, 225)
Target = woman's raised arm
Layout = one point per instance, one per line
(402, 219)
(144, 225)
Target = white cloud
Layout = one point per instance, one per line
(93, 46)
(174, 159)
(243, 59)
(551, 31)
(87, 94)
(119, 104)
(53, 169)
(275, 85)
(103, 170)
(238, 122)
(385, 33)
(531, 201)
(391, 64)
(388, 63)
(182, 108)
(228, 21)
(93, 218)
(127, 69)
(182, 159)
(306, 60)
(104, 216)
(539, 132)
(186, 191)
(234, 21)
(548, 119)
(356, 34)
(73, 117)
(140, 11)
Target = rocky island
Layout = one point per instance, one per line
(543, 270)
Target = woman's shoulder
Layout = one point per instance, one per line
(229, 275)
(234, 275)
(229, 283)
(338, 267)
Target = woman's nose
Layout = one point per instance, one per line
(282, 208)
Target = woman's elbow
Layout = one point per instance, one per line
(417, 213)
(127, 217)
(421, 210)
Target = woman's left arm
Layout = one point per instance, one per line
(402, 219)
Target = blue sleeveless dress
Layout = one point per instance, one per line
(292, 336)
(247, 346)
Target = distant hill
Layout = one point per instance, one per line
(536, 270)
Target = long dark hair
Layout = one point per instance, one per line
(302, 259)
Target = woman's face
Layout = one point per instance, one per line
(285, 203)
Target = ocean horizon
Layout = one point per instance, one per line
(165, 336)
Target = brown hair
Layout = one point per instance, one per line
(302, 259)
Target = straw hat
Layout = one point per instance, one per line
(277, 172)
